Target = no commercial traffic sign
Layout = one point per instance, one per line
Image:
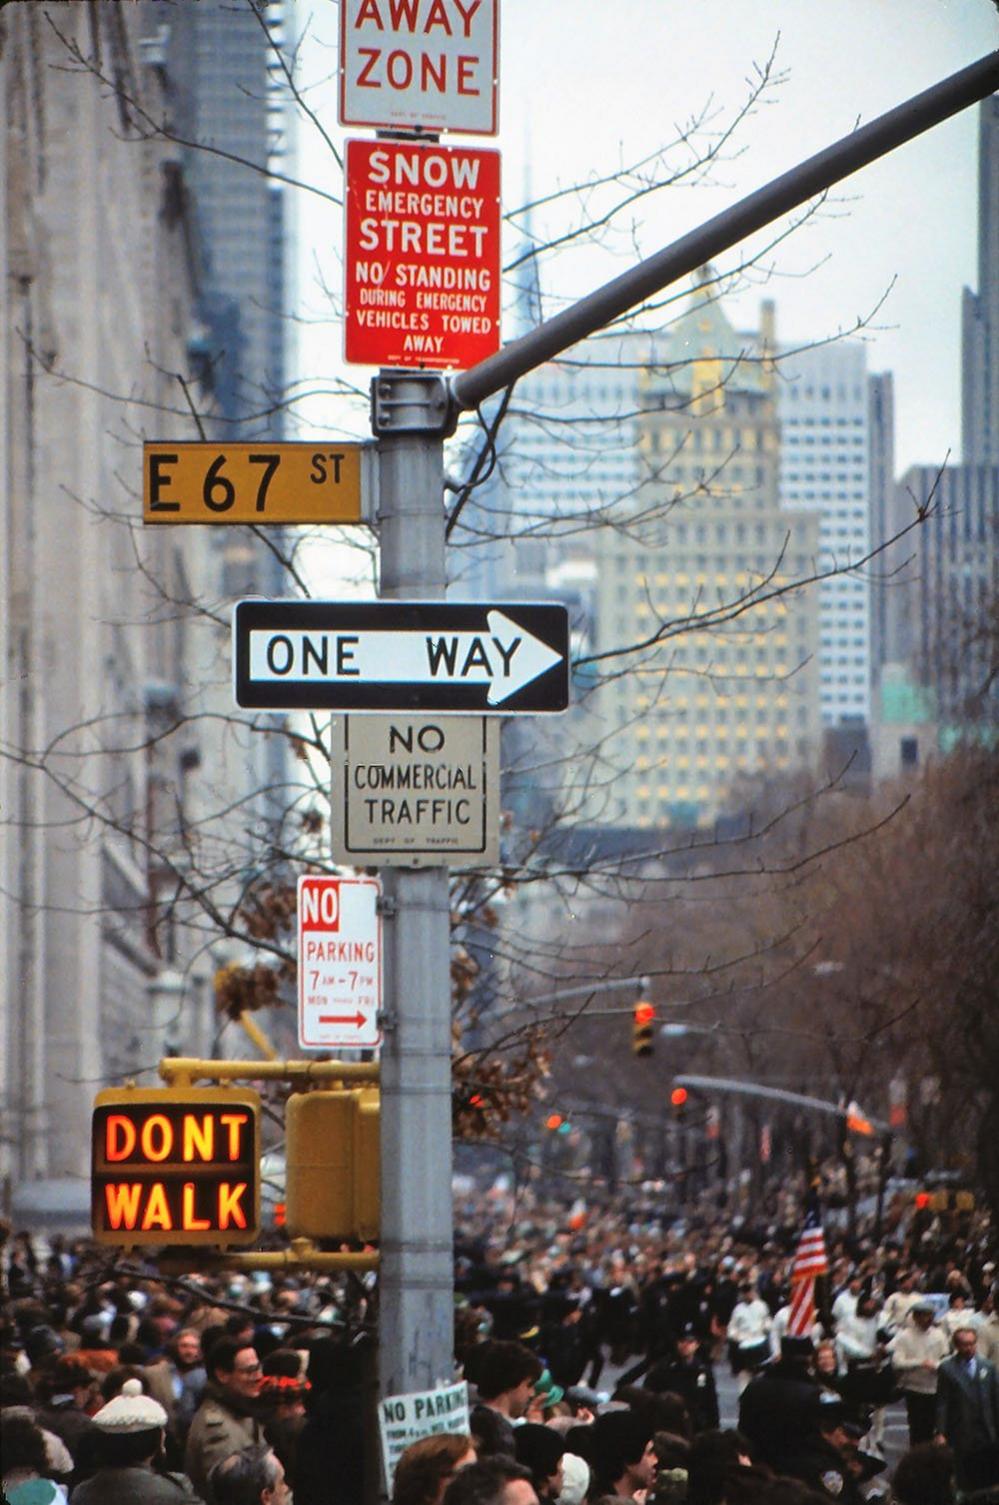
(414, 790)
(435, 656)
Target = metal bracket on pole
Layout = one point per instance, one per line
(182, 1071)
(302, 1254)
(386, 906)
(412, 402)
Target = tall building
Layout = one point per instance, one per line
(881, 470)
(824, 406)
(726, 685)
(980, 311)
(938, 613)
(96, 773)
(230, 102)
(122, 766)
(938, 588)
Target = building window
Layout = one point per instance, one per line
(909, 752)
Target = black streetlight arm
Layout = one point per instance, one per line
(600, 308)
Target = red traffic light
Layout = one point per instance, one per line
(678, 1097)
(553, 1121)
(923, 1200)
(642, 1027)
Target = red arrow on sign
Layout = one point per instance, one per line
(355, 1019)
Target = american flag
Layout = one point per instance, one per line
(809, 1263)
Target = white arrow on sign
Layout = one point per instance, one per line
(506, 657)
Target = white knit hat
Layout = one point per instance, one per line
(575, 1479)
(131, 1411)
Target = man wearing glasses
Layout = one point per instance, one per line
(227, 1419)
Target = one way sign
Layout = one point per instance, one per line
(504, 658)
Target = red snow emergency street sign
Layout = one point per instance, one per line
(423, 255)
(430, 64)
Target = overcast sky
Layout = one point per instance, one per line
(586, 85)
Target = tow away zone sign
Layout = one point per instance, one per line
(429, 63)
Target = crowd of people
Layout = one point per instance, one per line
(592, 1337)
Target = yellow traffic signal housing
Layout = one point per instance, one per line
(367, 1162)
(332, 1153)
(643, 1029)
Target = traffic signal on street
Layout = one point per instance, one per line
(943, 1200)
(332, 1153)
(678, 1100)
(643, 1028)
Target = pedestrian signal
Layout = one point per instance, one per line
(643, 1029)
(172, 1165)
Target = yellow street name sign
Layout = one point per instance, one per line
(258, 483)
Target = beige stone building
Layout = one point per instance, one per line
(724, 683)
(100, 662)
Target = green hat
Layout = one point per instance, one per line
(546, 1388)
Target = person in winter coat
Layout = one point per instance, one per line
(967, 1413)
(132, 1430)
(182, 1376)
(25, 1471)
(917, 1351)
(331, 1445)
(748, 1334)
(690, 1377)
(869, 1382)
(819, 1452)
(228, 1418)
(988, 1331)
(778, 1402)
(66, 1390)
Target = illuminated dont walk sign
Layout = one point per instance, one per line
(175, 1166)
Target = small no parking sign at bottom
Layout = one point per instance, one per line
(339, 963)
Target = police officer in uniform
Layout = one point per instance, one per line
(689, 1376)
(777, 1406)
(822, 1459)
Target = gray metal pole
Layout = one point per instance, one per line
(796, 187)
(416, 1339)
